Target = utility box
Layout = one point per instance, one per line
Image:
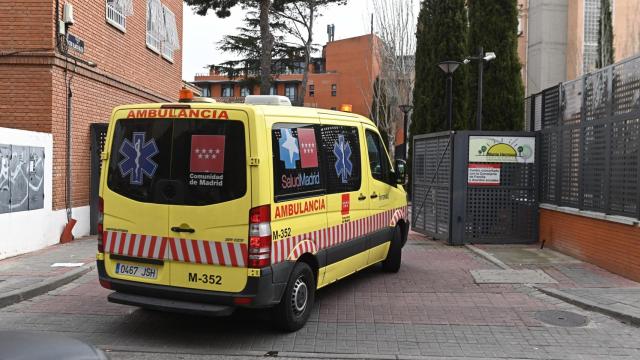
(475, 187)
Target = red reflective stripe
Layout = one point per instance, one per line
(152, 247)
(163, 247)
(220, 253)
(123, 236)
(112, 246)
(143, 240)
(185, 251)
(207, 252)
(232, 254)
(132, 242)
(196, 251)
(174, 250)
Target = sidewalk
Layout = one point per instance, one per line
(25, 276)
(579, 283)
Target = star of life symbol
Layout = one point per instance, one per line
(138, 155)
(289, 150)
(342, 151)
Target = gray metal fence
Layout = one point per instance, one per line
(590, 140)
(451, 205)
(431, 183)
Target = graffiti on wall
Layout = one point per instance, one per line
(21, 178)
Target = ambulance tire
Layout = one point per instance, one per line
(293, 311)
(394, 257)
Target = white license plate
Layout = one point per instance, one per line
(145, 272)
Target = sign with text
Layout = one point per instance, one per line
(502, 149)
(484, 174)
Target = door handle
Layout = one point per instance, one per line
(181, 230)
(374, 195)
(362, 197)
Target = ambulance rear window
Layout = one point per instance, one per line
(181, 162)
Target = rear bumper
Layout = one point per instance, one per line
(262, 291)
(186, 307)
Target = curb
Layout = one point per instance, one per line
(488, 257)
(286, 354)
(42, 287)
(632, 319)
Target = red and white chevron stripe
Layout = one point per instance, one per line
(145, 246)
(287, 249)
(184, 250)
(208, 252)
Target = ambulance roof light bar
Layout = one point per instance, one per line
(267, 100)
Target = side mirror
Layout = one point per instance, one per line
(401, 172)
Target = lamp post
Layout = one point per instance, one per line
(449, 67)
(481, 58)
(405, 110)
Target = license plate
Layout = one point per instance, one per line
(145, 272)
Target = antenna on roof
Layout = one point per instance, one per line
(371, 23)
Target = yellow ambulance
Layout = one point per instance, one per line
(206, 207)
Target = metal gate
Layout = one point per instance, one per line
(494, 179)
(98, 136)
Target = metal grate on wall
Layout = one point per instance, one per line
(590, 141)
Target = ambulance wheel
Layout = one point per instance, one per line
(394, 256)
(297, 301)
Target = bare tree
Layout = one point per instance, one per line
(299, 17)
(395, 24)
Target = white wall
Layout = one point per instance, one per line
(26, 231)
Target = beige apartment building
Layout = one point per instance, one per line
(560, 40)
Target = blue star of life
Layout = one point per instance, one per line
(137, 160)
(289, 150)
(342, 151)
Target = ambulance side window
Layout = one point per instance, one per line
(378, 159)
(297, 161)
(341, 148)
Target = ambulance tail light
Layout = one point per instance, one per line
(100, 225)
(260, 237)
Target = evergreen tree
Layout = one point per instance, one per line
(223, 8)
(606, 52)
(246, 45)
(493, 25)
(441, 35)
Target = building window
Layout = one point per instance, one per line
(155, 25)
(273, 90)
(312, 90)
(334, 90)
(117, 12)
(245, 91)
(227, 90)
(170, 42)
(206, 91)
(290, 91)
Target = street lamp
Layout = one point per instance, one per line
(405, 110)
(481, 58)
(449, 67)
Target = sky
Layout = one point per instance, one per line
(201, 33)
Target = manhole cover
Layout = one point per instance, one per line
(561, 318)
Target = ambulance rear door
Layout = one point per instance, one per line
(209, 213)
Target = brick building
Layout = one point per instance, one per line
(116, 52)
(343, 75)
